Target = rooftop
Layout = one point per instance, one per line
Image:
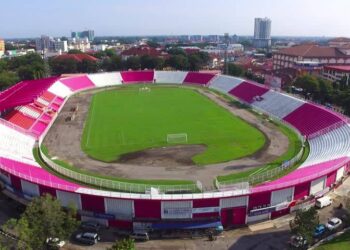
(344, 68)
(312, 50)
(77, 57)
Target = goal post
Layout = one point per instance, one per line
(144, 89)
(176, 138)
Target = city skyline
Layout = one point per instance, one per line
(154, 17)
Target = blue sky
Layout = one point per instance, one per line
(31, 18)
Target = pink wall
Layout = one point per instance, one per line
(16, 183)
(279, 213)
(301, 190)
(93, 203)
(126, 225)
(259, 199)
(47, 190)
(206, 203)
(233, 216)
(331, 178)
(147, 209)
(239, 215)
(207, 215)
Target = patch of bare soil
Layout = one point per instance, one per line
(180, 155)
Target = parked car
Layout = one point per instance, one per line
(297, 241)
(323, 202)
(90, 226)
(143, 236)
(54, 243)
(333, 224)
(319, 230)
(89, 238)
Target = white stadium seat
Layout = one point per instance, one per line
(224, 83)
(59, 89)
(28, 111)
(329, 146)
(106, 79)
(176, 77)
(16, 146)
(278, 104)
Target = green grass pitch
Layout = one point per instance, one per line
(126, 120)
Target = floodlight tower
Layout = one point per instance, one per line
(227, 42)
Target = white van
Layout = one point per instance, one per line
(323, 202)
(143, 236)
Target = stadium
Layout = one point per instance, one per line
(157, 150)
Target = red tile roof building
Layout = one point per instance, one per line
(336, 73)
(77, 57)
(288, 57)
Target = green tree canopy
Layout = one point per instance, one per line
(124, 244)
(178, 62)
(133, 62)
(305, 223)
(235, 70)
(8, 78)
(43, 218)
(61, 66)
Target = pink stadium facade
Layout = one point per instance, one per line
(29, 108)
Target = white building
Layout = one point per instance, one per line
(80, 44)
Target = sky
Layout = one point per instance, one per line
(32, 18)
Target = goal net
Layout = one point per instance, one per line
(144, 90)
(176, 138)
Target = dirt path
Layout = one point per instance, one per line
(64, 138)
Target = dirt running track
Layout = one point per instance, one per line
(64, 138)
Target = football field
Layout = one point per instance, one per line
(126, 120)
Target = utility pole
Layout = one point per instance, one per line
(227, 42)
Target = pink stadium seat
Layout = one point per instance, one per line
(24, 92)
(246, 91)
(78, 82)
(48, 96)
(310, 118)
(54, 106)
(39, 128)
(198, 78)
(46, 118)
(137, 76)
(20, 119)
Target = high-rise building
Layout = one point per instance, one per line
(262, 33)
(2, 47)
(90, 34)
(46, 44)
(43, 43)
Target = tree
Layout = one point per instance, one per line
(309, 84)
(63, 66)
(235, 70)
(87, 66)
(43, 218)
(178, 62)
(151, 62)
(325, 91)
(133, 62)
(176, 51)
(8, 78)
(124, 244)
(305, 223)
(75, 51)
